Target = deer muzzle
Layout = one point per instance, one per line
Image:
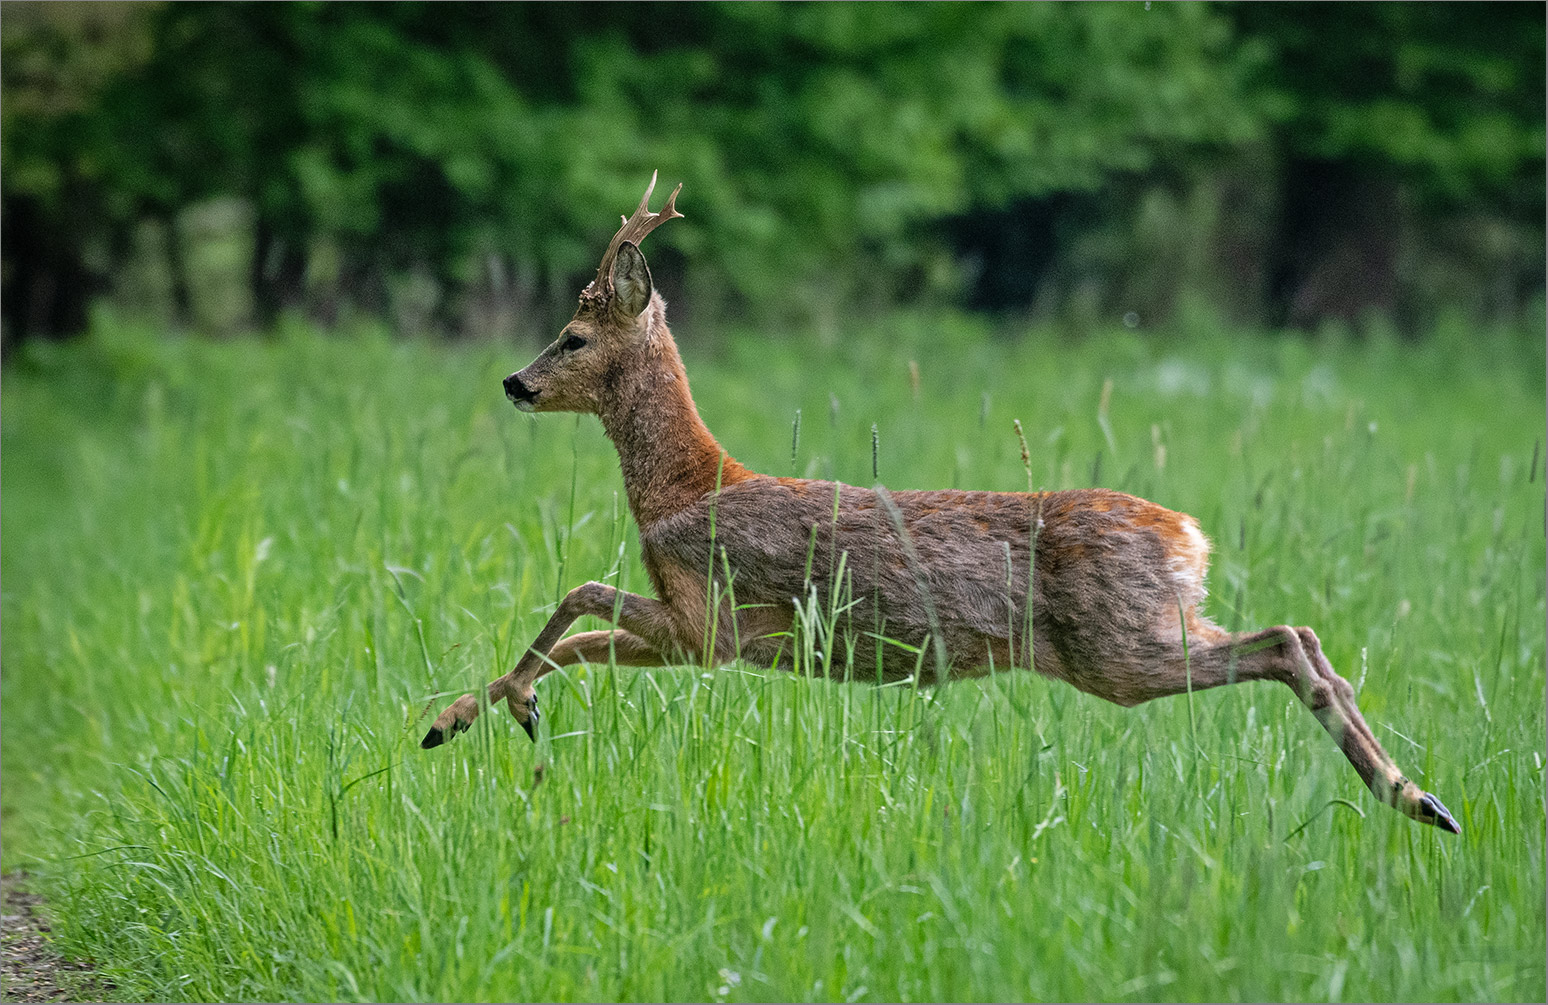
(522, 396)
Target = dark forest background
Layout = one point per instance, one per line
(458, 167)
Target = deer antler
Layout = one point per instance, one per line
(635, 228)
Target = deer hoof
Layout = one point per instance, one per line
(437, 736)
(530, 724)
(1432, 812)
(451, 722)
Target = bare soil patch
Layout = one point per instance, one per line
(30, 969)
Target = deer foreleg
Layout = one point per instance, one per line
(619, 646)
(647, 634)
(625, 648)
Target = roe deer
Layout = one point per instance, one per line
(1114, 582)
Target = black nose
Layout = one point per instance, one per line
(516, 390)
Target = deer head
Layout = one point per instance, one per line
(613, 324)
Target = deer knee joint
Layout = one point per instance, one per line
(1317, 692)
(587, 598)
(1308, 639)
(1342, 688)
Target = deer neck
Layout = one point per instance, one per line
(669, 458)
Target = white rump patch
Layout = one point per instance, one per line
(1189, 561)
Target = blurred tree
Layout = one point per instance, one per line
(59, 184)
(1411, 141)
(455, 166)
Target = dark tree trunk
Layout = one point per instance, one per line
(1340, 235)
(45, 286)
(177, 269)
(278, 275)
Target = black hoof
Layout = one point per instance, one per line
(434, 738)
(1439, 815)
(532, 719)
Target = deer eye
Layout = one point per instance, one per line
(572, 343)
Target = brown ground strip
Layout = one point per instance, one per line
(30, 969)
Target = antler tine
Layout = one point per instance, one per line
(644, 206)
(636, 227)
(669, 211)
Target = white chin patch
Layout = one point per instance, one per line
(525, 406)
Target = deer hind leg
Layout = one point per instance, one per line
(648, 633)
(1294, 657)
(1342, 719)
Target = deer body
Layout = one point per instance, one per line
(926, 584)
(947, 565)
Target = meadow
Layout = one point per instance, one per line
(240, 576)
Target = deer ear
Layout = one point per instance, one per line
(631, 282)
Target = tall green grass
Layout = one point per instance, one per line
(237, 576)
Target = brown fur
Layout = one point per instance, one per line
(1114, 582)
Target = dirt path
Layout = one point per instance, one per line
(30, 970)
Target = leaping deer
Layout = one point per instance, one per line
(1114, 581)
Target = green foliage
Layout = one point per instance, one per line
(58, 62)
(480, 150)
(237, 575)
(1450, 100)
